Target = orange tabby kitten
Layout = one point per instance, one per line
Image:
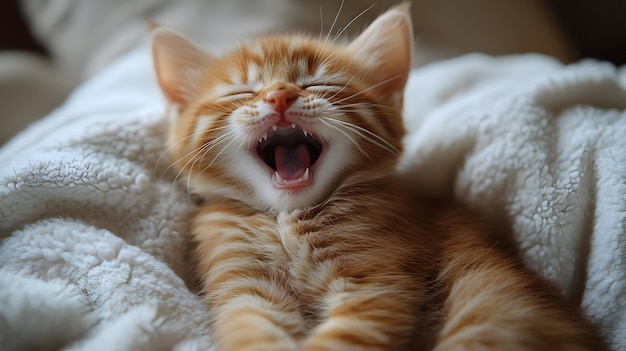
(306, 241)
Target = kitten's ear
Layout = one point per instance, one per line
(386, 46)
(180, 65)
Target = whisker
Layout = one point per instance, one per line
(347, 107)
(327, 59)
(342, 89)
(368, 89)
(216, 141)
(347, 136)
(196, 158)
(189, 153)
(218, 155)
(334, 21)
(340, 32)
(321, 23)
(356, 128)
(226, 109)
(156, 164)
(197, 151)
(352, 21)
(204, 149)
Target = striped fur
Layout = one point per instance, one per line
(349, 261)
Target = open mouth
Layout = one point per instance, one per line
(291, 152)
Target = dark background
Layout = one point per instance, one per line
(14, 32)
(597, 28)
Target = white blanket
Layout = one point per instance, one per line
(93, 251)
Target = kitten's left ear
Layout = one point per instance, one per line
(180, 65)
(386, 46)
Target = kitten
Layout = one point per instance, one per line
(306, 241)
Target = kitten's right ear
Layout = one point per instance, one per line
(179, 64)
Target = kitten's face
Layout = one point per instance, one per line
(281, 122)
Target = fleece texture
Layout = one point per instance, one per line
(540, 149)
(93, 250)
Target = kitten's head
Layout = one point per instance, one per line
(281, 122)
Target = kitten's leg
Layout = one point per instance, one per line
(251, 304)
(365, 316)
(494, 305)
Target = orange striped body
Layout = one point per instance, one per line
(321, 279)
(306, 240)
(354, 274)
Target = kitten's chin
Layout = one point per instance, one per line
(297, 192)
(322, 182)
(302, 192)
(301, 181)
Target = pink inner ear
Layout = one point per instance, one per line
(174, 56)
(292, 162)
(386, 48)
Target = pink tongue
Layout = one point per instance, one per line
(291, 163)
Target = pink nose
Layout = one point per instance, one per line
(281, 99)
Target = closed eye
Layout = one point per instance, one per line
(237, 95)
(323, 87)
(241, 94)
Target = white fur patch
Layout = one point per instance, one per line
(203, 124)
(254, 73)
